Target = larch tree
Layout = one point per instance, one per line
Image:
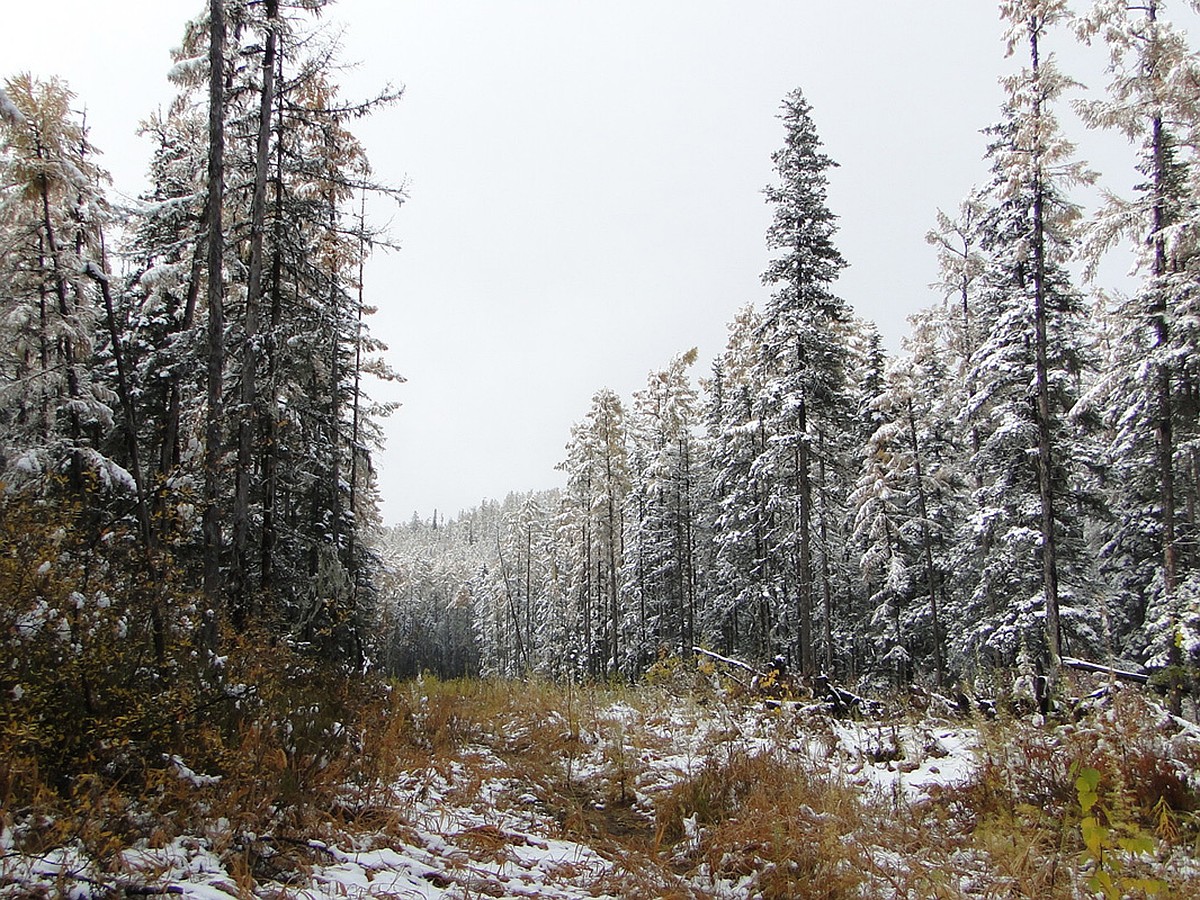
(55, 412)
(1148, 400)
(1025, 374)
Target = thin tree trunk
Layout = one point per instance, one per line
(804, 573)
(826, 580)
(902, 668)
(1165, 427)
(613, 605)
(939, 665)
(586, 537)
(689, 548)
(168, 454)
(1042, 386)
(61, 294)
(355, 417)
(44, 341)
(1165, 424)
(243, 606)
(216, 313)
(513, 612)
(142, 510)
(270, 476)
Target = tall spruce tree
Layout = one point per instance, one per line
(801, 362)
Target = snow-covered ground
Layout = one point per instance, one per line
(475, 827)
(481, 822)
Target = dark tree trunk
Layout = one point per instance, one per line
(216, 301)
(1045, 462)
(243, 607)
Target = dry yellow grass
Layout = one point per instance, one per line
(687, 792)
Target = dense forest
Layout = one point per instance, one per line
(185, 434)
(187, 437)
(184, 413)
(1019, 484)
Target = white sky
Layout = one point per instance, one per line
(585, 181)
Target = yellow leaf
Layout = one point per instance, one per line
(1094, 835)
(1138, 843)
(1102, 881)
(1146, 885)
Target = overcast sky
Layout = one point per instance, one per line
(585, 183)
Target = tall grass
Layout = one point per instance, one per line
(685, 790)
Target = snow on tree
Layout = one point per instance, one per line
(289, 324)
(743, 614)
(52, 210)
(661, 558)
(801, 400)
(1033, 583)
(598, 482)
(1147, 400)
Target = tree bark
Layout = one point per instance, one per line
(270, 488)
(1042, 386)
(216, 301)
(243, 606)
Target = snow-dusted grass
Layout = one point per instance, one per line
(508, 790)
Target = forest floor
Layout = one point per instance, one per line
(677, 789)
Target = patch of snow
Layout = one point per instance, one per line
(906, 762)
(9, 111)
(185, 773)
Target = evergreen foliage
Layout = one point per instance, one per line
(108, 379)
(997, 491)
(184, 381)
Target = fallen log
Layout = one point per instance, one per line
(1119, 674)
(841, 702)
(729, 661)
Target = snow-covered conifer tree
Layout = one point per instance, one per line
(801, 399)
(1147, 398)
(1025, 374)
(744, 573)
(597, 467)
(661, 559)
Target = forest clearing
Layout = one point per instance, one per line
(831, 620)
(682, 787)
